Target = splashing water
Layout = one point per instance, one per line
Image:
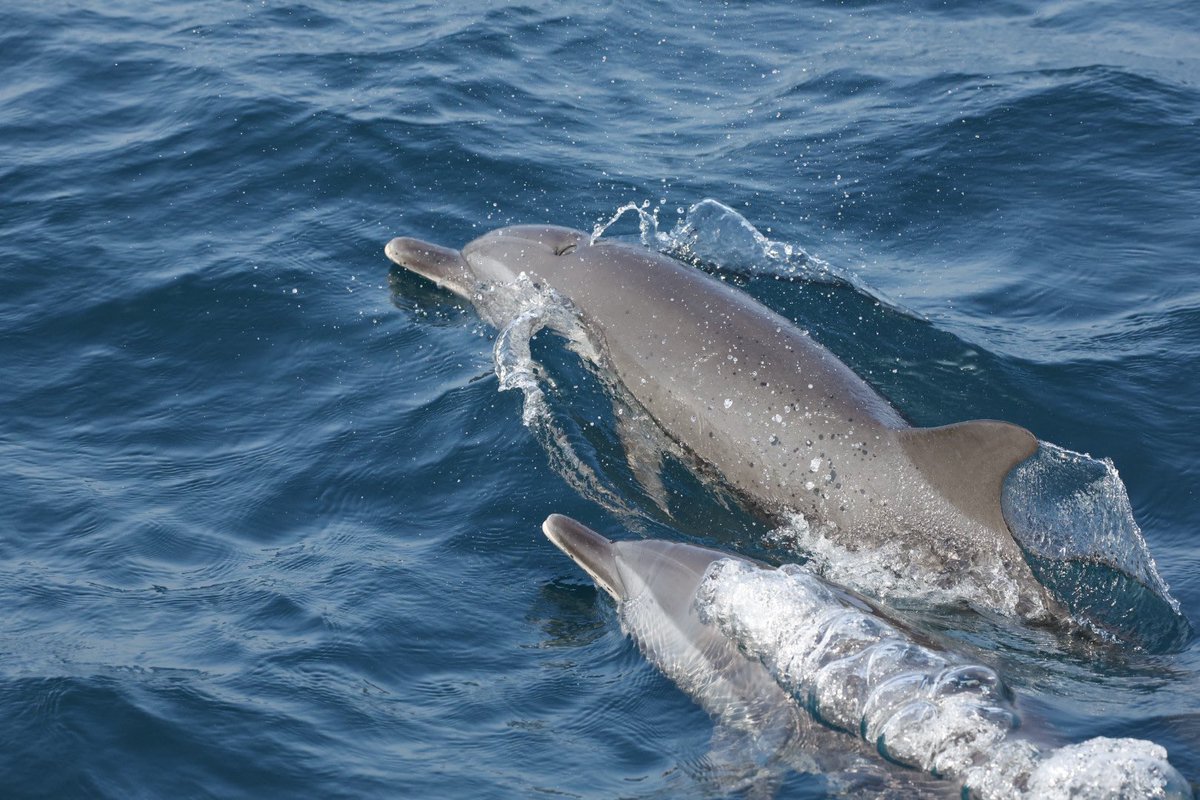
(888, 572)
(647, 222)
(922, 708)
(711, 232)
(529, 309)
(1071, 514)
(1076, 506)
(714, 233)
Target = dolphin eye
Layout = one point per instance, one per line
(567, 248)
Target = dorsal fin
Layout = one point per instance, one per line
(967, 463)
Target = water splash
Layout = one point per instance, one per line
(889, 572)
(919, 707)
(647, 222)
(1075, 506)
(714, 233)
(710, 232)
(530, 308)
(1071, 513)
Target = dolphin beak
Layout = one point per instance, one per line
(443, 265)
(596, 554)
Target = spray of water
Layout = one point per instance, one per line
(528, 309)
(647, 222)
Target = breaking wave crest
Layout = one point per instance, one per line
(919, 707)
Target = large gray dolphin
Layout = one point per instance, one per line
(773, 651)
(776, 414)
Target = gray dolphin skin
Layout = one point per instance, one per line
(777, 415)
(689, 651)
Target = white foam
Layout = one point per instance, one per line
(889, 571)
(1104, 767)
(917, 706)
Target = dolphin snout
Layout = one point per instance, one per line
(410, 253)
(396, 248)
(595, 553)
(444, 266)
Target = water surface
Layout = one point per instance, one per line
(270, 528)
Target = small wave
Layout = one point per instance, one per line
(919, 707)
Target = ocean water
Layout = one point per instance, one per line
(269, 526)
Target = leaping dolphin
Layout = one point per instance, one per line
(783, 421)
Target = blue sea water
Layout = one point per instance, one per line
(269, 528)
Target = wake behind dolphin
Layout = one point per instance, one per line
(778, 416)
(786, 656)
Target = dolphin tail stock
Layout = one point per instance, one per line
(967, 463)
(596, 554)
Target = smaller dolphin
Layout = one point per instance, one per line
(790, 659)
(760, 728)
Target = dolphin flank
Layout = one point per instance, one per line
(783, 421)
